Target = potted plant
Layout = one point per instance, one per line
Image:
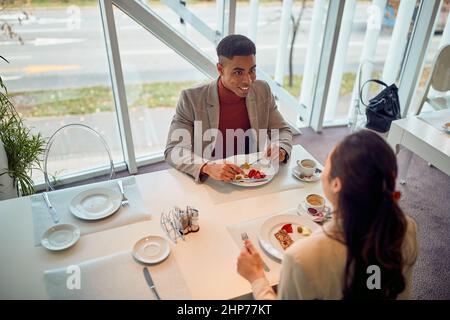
(22, 149)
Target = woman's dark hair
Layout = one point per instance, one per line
(373, 224)
(235, 45)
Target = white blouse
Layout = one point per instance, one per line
(314, 267)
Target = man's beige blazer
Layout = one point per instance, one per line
(198, 111)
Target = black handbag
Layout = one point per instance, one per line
(383, 108)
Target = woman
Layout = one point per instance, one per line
(368, 228)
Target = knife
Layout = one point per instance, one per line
(150, 283)
(53, 213)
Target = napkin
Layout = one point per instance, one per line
(118, 276)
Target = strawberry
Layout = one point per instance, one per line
(287, 228)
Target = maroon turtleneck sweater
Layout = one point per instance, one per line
(233, 115)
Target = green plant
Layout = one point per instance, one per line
(22, 148)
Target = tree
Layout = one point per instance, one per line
(295, 27)
(7, 27)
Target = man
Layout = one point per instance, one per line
(222, 118)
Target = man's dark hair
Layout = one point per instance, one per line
(235, 45)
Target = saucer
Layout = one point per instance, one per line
(318, 217)
(60, 237)
(151, 249)
(315, 177)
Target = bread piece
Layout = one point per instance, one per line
(284, 239)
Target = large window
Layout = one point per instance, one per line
(367, 49)
(154, 76)
(59, 75)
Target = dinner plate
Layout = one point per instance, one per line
(273, 224)
(315, 177)
(60, 237)
(240, 159)
(319, 217)
(95, 203)
(151, 249)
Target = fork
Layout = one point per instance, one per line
(124, 198)
(244, 236)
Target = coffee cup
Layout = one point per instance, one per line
(307, 167)
(315, 202)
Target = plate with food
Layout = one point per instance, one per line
(279, 232)
(255, 173)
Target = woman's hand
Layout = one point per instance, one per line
(249, 263)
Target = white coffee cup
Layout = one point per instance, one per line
(307, 167)
(315, 201)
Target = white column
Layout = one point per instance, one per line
(253, 26)
(446, 35)
(399, 40)
(282, 41)
(312, 54)
(329, 45)
(339, 60)
(374, 20)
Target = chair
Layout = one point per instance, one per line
(73, 151)
(439, 81)
(358, 119)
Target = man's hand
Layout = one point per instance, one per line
(221, 171)
(274, 152)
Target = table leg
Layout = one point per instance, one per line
(404, 166)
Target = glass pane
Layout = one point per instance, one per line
(298, 52)
(60, 75)
(154, 76)
(363, 48)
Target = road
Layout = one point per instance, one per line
(61, 51)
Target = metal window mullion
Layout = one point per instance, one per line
(193, 20)
(118, 85)
(149, 20)
(418, 46)
(329, 44)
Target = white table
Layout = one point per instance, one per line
(207, 259)
(423, 136)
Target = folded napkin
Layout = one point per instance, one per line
(117, 276)
(134, 212)
(222, 192)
